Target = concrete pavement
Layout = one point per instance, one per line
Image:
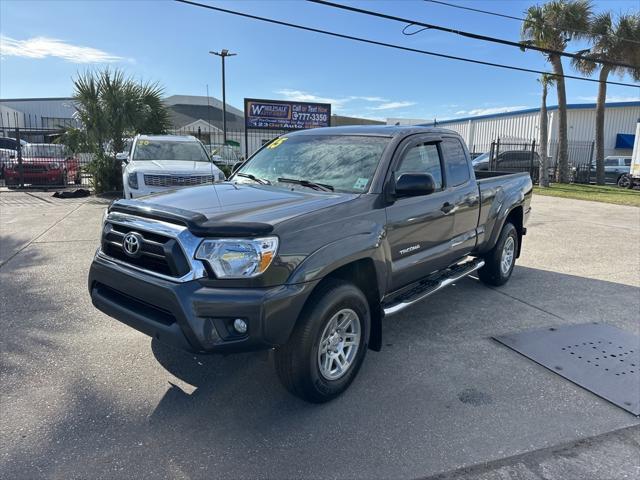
(85, 396)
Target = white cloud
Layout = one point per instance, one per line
(369, 99)
(338, 104)
(300, 96)
(43, 47)
(490, 111)
(612, 98)
(392, 105)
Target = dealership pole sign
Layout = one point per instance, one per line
(284, 115)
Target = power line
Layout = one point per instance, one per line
(475, 36)
(475, 10)
(520, 19)
(391, 45)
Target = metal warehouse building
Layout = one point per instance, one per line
(620, 126)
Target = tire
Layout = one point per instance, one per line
(298, 362)
(624, 181)
(494, 272)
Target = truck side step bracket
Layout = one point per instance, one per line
(428, 287)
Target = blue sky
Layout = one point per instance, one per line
(45, 44)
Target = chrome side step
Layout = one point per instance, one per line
(430, 287)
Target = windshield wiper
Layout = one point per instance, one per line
(261, 181)
(306, 183)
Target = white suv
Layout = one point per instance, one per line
(157, 163)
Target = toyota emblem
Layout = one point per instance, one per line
(131, 244)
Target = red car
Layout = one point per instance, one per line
(43, 164)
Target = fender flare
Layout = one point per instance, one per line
(330, 257)
(508, 205)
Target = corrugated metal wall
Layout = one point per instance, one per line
(479, 133)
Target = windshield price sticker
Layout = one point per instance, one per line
(277, 142)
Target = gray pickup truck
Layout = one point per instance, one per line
(308, 246)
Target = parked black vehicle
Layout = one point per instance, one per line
(510, 161)
(309, 245)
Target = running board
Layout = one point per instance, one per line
(429, 287)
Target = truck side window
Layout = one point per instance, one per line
(422, 158)
(456, 161)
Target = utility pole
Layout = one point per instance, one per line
(222, 54)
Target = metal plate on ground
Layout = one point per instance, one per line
(603, 359)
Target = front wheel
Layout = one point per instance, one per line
(501, 259)
(328, 344)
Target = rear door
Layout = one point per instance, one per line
(419, 228)
(464, 196)
(612, 169)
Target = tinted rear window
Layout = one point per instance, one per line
(456, 162)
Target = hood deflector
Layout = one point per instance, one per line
(197, 223)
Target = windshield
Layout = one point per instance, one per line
(227, 152)
(346, 163)
(482, 158)
(43, 150)
(169, 150)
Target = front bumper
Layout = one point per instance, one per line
(44, 177)
(193, 317)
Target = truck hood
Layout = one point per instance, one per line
(170, 166)
(228, 203)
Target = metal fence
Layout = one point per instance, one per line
(246, 143)
(31, 157)
(513, 155)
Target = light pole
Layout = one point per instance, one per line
(224, 53)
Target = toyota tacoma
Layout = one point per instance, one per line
(308, 246)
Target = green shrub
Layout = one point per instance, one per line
(106, 173)
(226, 169)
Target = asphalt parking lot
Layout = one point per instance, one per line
(84, 396)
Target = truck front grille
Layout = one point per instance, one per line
(158, 253)
(176, 180)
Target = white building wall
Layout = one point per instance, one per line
(479, 133)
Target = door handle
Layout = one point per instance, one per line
(447, 208)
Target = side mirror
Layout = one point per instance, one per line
(122, 156)
(414, 184)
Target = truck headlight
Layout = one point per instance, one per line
(133, 180)
(238, 258)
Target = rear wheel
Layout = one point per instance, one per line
(624, 181)
(501, 259)
(328, 344)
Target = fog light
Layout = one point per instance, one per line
(240, 325)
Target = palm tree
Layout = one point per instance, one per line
(111, 107)
(616, 42)
(552, 26)
(546, 81)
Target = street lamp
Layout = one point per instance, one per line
(224, 53)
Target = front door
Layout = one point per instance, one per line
(419, 228)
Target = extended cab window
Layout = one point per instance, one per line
(456, 162)
(422, 158)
